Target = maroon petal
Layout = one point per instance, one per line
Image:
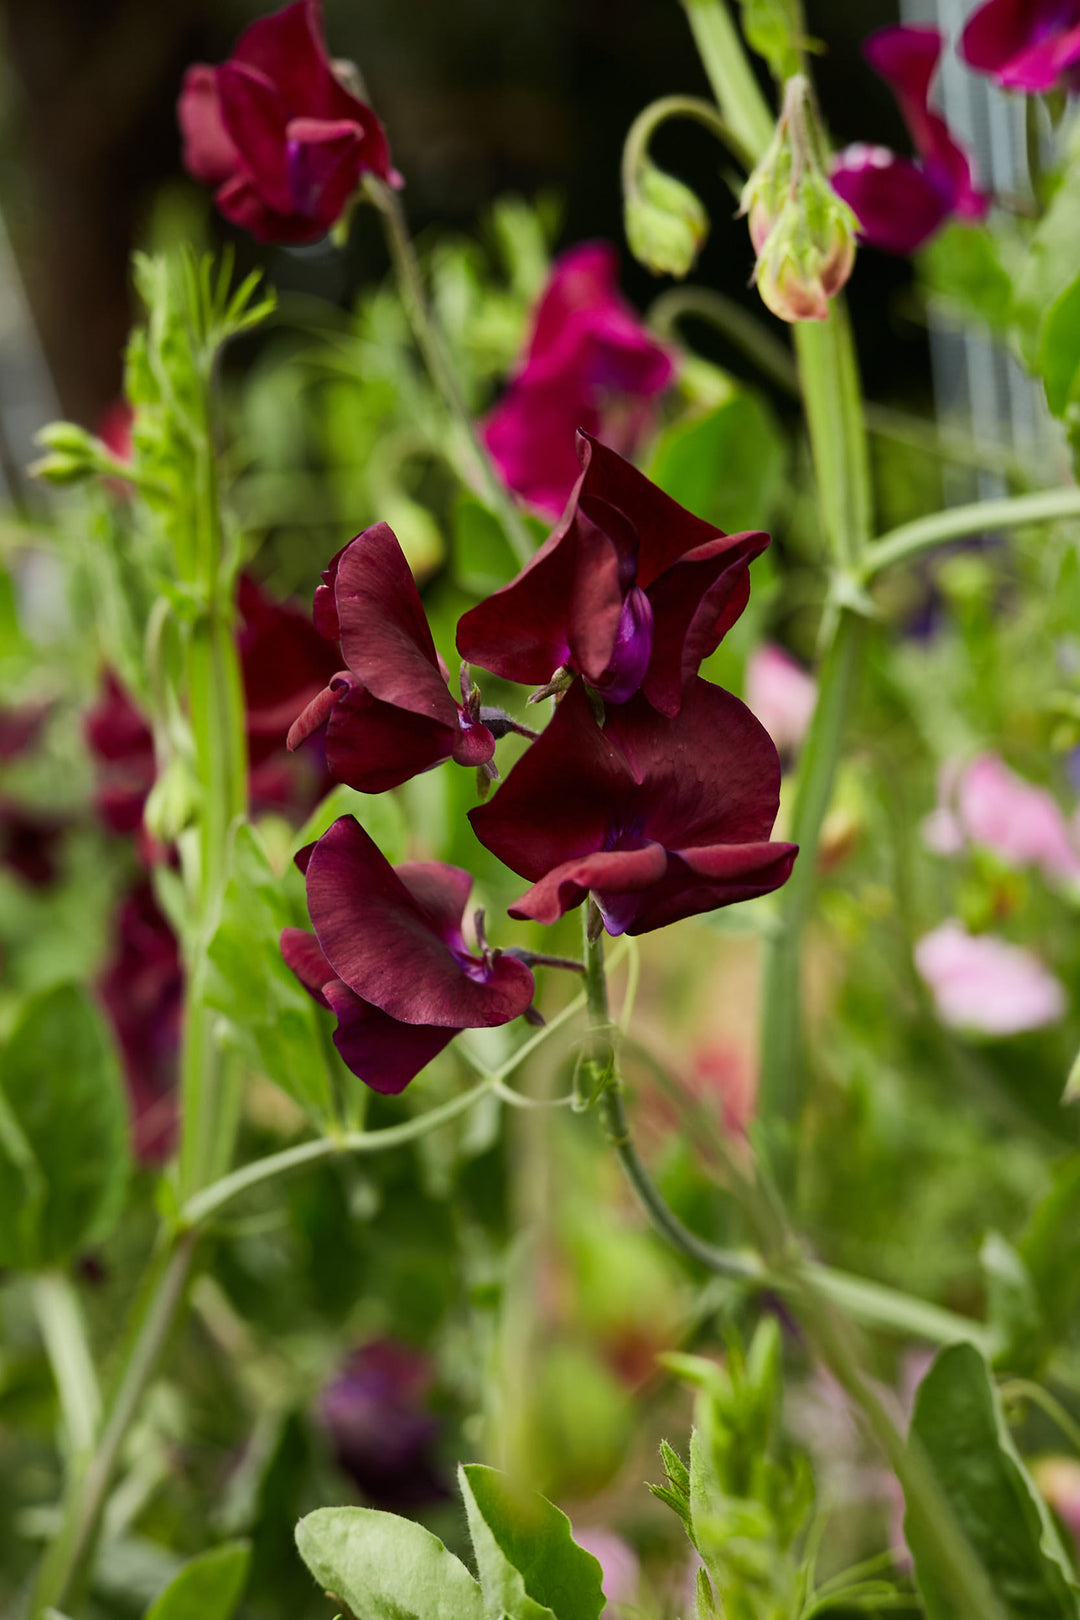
(288, 49)
(373, 746)
(701, 880)
(473, 743)
(898, 207)
(255, 117)
(242, 203)
(384, 632)
(379, 1050)
(559, 800)
(285, 663)
(381, 942)
(324, 611)
(316, 713)
(530, 435)
(666, 531)
(324, 165)
(615, 872)
(695, 602)
(301, 953)
(442, 893)
(209, 153)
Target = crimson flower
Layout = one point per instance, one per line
(388, 715)
(277, 132)
(142, 989)
(900, 203)
(30, 842)
(381, 1427)
(20, 728)
(1031, 45)
(118, 736)
(660, 819)
(631, 591)
(590, 363)
(389, 959)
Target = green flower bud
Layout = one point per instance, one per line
(172, 802)
(71, 457)
(803, 233)
(666, 224)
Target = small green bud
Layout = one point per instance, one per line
(666, 223)
(803, 233)
(71, 454)
(172, 802)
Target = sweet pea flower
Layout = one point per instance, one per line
(590, 363)
(1029, 45)
(900, 203)
(142, 990)
(983, 984)
(20, 728)
(988, 804)
(660, 819)
(630, 590)
(30, 842)
(389, 959)
(781, 694)
(388, 715)
(276, 131)
(382, 1432)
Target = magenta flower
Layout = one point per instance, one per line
(900, 203)
(388, 715)
(142, 989)
(382, 1429)
(277, 132)
(981, 983)
(389, 959)
(1031, 45)
(660, 819)
(988, 804)
(590, 363)
(631, 591)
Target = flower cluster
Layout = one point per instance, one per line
(651, 790)
(898, 202)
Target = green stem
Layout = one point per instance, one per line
(63, 1331)
(88, 1486)
(1008, 512)
(1023, 1389)
(832, 399)
(441, 367)
(731, 76)
(648, 121)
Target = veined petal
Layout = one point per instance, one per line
(255, 117)
(373, 746)
(609, 872)
(380, 1051)
(695, 602)
(300, 951)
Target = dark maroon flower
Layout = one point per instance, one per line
(277, 132)
(590, 363)
(142, 989)
(389, 959)
(660, 819)
(1030, 45)
(388, 715)
(30, 841)
(382, 1432)
(20, 728)
(121, 741)
(631, 591)
(900, 203)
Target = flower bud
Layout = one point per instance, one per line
(666, 224)
(71, 454)
(172, 801)
(802, 232)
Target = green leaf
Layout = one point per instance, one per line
(1050, 264)
(386, 1568)
(268, 1013)
(1050, 1248)
(963, 267)
(380, 815)
(959, 1424)
(771, 29)
(208, 1587)
(64, 1143)
(1058, 359)
(529, 1564)
(725, 467)
(483, 560)
(1012, 1306)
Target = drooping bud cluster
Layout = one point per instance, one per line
(802, 232)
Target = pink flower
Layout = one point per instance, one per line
(617, 1559)
(781, 694)
(590, 364)
(1031, 45)
(982, 983)
(1058, 1478)
(900, 203)
(990, 805)
(275, 130)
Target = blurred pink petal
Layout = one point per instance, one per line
(981, 982)
(1058, 1478)
(616, 1558)
(781, 694)
(990, 805)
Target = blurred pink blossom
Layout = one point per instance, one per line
(981, 982)
(781, 694)
(988, 804)
(616, 1558)
(1058, 1478)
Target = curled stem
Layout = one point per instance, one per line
(648, 121)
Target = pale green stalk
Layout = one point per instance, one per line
(63, 1331)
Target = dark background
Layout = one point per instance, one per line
(479, 97)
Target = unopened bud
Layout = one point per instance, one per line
(71, 454)
(666, 224)
(172, 802)
(803, 233)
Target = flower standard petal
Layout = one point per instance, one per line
(210, 154)
(382, 942)
(255, 117)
